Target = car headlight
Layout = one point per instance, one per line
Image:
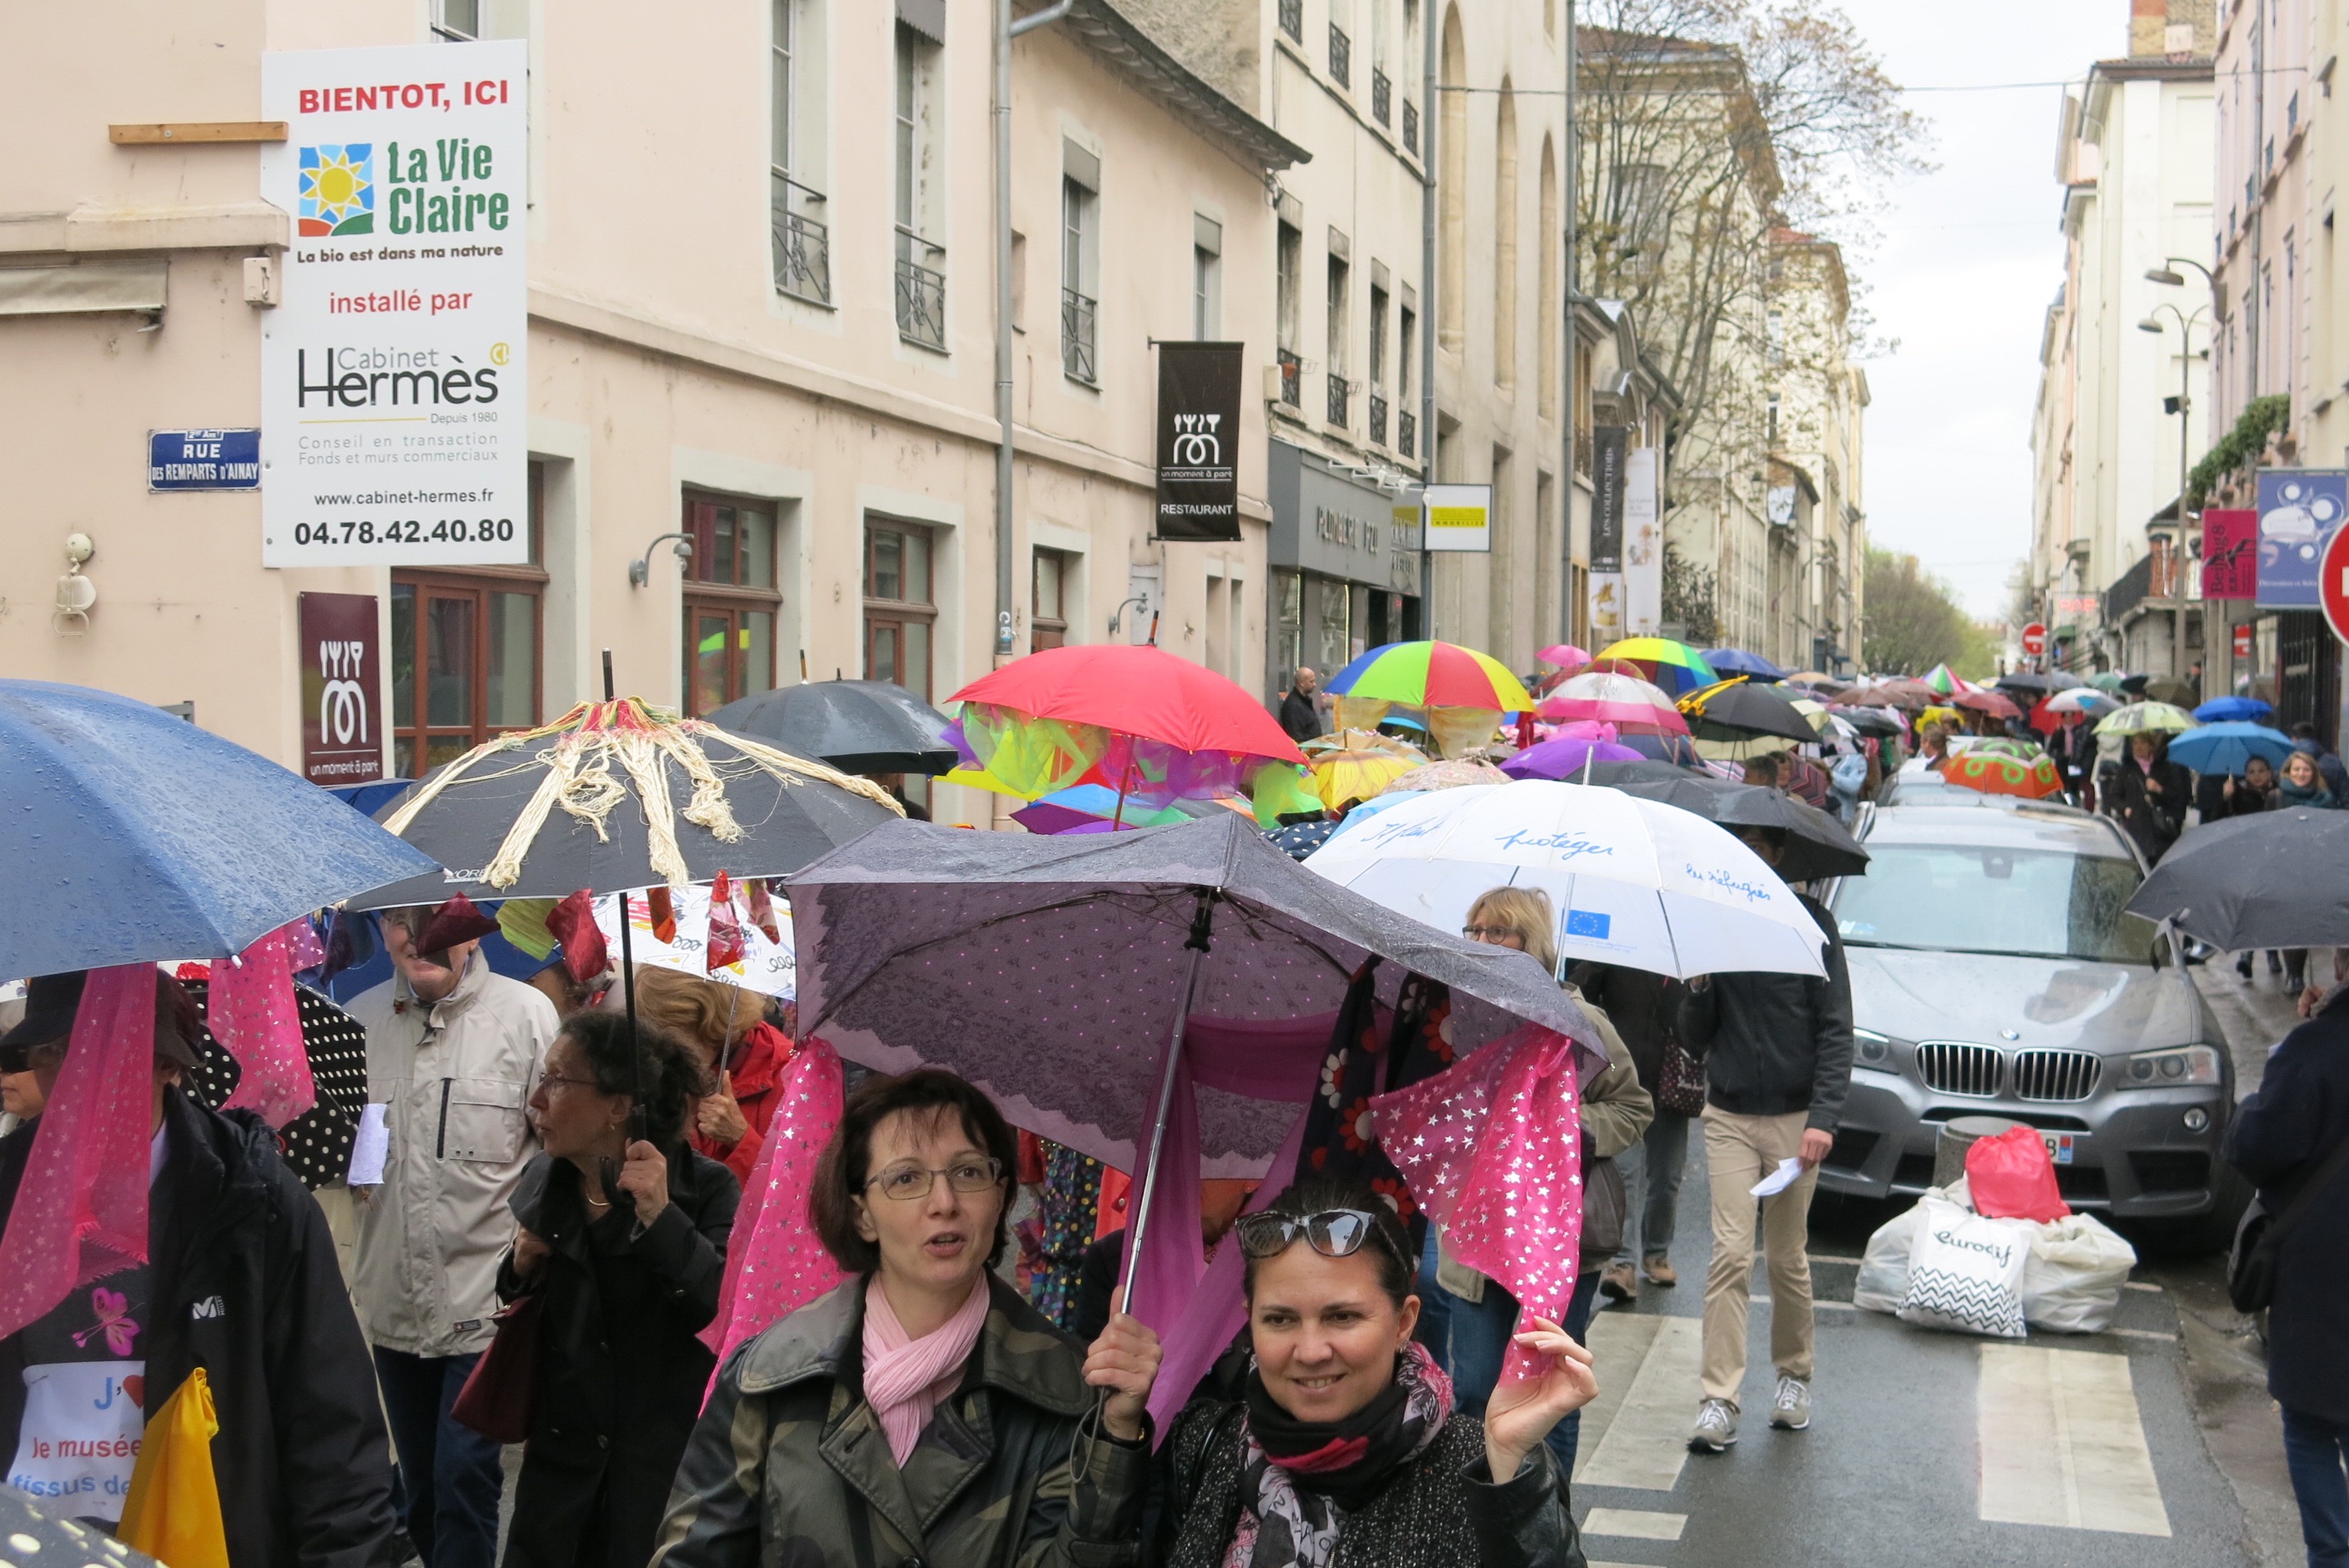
(2170, 1069)
(1873, 1049)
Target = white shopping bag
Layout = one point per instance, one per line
(2073, 1279)
(1884, 1269)
(1965, 1272)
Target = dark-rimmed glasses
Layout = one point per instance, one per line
(908, 1182)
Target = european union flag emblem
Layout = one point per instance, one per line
(1587, 922)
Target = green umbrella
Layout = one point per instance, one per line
(2140, 717)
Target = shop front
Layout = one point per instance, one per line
(1345, 566)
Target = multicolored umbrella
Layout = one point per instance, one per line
(1999, 773)
(1675, 667)
(2139, 718)
(1461, 693)
(1946, 681)
(1631, 705)
(1342, 775)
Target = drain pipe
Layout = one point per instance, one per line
(1431, 311)
(1006, 29)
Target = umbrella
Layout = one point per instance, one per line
(1728, 662)
(1064, 810)
(2110, 681)
(592, 800)
(1978, 699)
(1819, 679)
(1640, 885)
(1737, 709)
(31, 1532)
(1674, 667)
(2220, 710)
(1342, 775)
(2140, 717)
(2032, 682)
(858, 727)
(130, 836)
(1299, 839)
(1565, 655)
(1904, 694)
(1459, 773)
(1566, 757)
(1624, 701)
(316, 1144)
(2002, 773)
(2223, 748)
(1676, 749)
(2082, 700)
(1461, 692)
(1816, 845)
(1322, 746)
(2271, 879)
(2165, 688)
(1867, 720)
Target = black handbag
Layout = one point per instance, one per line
(2251, 1261)
(1679, 1082)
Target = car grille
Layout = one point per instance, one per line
(1950, 1067)
(2055, 1075)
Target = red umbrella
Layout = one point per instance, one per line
(1996, 703)
(1145, 692)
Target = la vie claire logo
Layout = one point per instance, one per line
(435, 187)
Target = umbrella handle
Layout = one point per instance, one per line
(1197, 944)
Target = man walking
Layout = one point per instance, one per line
(453, 1052)
(1777, 1051)
(1298, 715)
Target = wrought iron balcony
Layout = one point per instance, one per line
(1342, 392)
(1292, 378)
(1076, 314)
(1378, 418)
(1406, 433)
(1382, 96)
(1292, 20)
(1342, 57)
(921, 289)
(1411, 128)
(803, 243)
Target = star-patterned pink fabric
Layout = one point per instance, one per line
(81, 1208)
(1492, 1150)
(775, 1264)
(253, 1015)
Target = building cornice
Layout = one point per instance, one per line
(1100, 28)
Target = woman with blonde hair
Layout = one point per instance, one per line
(744, 1055)
(1472, 1315)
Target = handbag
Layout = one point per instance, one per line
(495, 1399)
(1604, 1206)
(2251, 1261)
(1679, 1082)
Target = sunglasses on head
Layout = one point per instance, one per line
(1332, 1232)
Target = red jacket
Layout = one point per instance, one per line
(755, 1067)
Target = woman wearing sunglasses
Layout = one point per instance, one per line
(921, 1412)
(1345, 1441)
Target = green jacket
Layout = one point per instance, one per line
(789, 1465)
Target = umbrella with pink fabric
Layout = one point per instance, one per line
(1631, 705)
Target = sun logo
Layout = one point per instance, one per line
(337, 189)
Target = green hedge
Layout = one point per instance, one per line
(2240, 447)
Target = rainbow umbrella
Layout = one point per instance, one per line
(2001, 773)
(1461, 692)
(1675, 667)
(1631, 705)
(1946, 681)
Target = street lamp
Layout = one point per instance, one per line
(2169, 276)
(2152, 323)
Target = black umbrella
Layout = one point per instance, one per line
(2030, 681)
(37, 1537)
(2270, 880)
(317, 1143)
(858, 727)
(1817, 846)
(1867, 720)
(1740, 710)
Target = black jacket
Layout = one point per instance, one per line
(1644, 1008)
(607, 1428)
(1299, 717)
(246, 1285)
(2280, 1135)
(1776, 1043)
(2153, 819)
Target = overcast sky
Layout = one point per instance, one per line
(1969, 259)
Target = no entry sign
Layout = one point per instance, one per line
(2333, 582)
(2034, 640)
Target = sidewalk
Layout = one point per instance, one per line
(2255, 1012)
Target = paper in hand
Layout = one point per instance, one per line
(1789, 1170)
(368, 1147)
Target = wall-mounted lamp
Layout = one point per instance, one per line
(640, 570)
(77, 594)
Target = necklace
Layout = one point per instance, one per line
(593, 1203)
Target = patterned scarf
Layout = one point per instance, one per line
(1294, 1499)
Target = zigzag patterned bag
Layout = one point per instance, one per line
(1965, 1273)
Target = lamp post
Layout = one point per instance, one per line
(2185, 436)
(2169, 276)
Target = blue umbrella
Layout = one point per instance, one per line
(1727, 662)
(2222, 749)
(2220, 710)
(130, 835)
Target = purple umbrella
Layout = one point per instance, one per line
(1563, 758)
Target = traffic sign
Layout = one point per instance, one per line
(2333, 582)
(2034, 640)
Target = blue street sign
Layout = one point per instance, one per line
(2298, 509)
(203, 459)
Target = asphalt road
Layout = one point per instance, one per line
(2154, 1444)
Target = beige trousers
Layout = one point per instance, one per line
(1739, 1151)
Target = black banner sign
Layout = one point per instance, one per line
(1199, 440)
(1607, 445)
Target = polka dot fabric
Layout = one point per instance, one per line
(317, 1143)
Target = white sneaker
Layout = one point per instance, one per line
(1716, 1426)
(1790, 1411)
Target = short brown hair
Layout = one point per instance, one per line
(700, 1012)
(846, 1164)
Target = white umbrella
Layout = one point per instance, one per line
(2082, 700)
(1636, 883)
(768, 966)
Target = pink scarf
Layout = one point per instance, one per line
(905, 1377)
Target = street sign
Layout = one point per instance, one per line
(203, 459)
(2333, 582)
(1460, 517)
(2243, 642)
(2034, 640)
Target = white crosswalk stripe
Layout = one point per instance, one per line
(1634, 1523)
(1653, 1361)
(2061, 1444)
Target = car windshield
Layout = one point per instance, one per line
(1971, 898)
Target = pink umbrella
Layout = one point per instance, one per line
(1631, 704)
(1565, 655)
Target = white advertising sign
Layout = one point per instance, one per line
(1643, 547)
(1459, 516)
(395, 392)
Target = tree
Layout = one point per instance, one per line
(1691, 599)
(1912, 622)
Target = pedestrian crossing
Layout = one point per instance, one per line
(1653, 1362)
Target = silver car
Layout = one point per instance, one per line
(1993, 973)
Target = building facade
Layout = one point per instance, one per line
(1816, 426)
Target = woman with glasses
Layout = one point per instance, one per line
(922, 1412)
(1346, 1438)
(623, 1238)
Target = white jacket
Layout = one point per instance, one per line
(454, 1080)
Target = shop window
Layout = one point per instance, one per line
(1048, 621)
(730, 601)
(466, 649)
(900, 604)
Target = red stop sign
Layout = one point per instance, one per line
(2333, 582)
(2034, 640)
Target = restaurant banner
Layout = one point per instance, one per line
(1199, 440)
(1608, 444)
(2230, 561)
(342, 670)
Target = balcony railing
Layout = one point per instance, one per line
(1342, 392)
(803, 243)
(1292, 378)
(1077, 314)
(1411, 127)
(1382, 96)
(1378, 418)
(1406, 433)
(1292, 20)
(1342, 57)
(921, 289)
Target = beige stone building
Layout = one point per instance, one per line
(1815, 425)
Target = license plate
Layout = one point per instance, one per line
(2059, 1146)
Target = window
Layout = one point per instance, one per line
(921, 260)
(458, 21)
(1340, 388)
(1377, 375)
(1207, 278)
(1636, 213)
(1548, 290)
(465, 649)
(1080, 253)
(730, 601)
(1288, 260)
(801, 238)
(1777, 327)
(1505, 242)
(1381, 62)
(1292, 20)
(1342, 57)
(900, 609)
(1406, 367)
(1048, 620)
